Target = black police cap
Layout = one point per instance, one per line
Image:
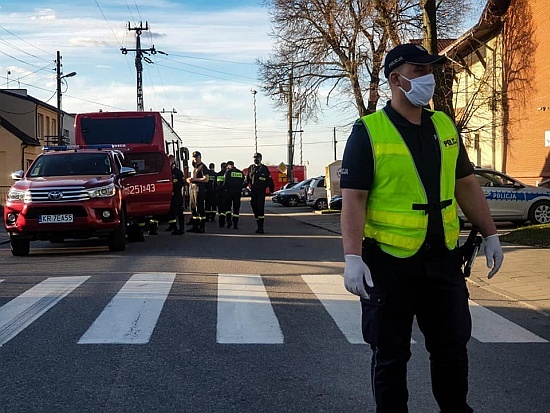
(410, 53)
(196, 153)
(257, 155)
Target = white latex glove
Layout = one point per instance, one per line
(493, 253)
(355, 272)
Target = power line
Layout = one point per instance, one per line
(24, 41)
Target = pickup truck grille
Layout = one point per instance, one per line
(76, 211)
(60, 194)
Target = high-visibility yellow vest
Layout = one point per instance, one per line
(397, 210)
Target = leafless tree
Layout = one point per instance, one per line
(327, 47)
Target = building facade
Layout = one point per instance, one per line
(501, 90)
(26, 124)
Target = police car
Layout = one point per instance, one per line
(512, 200)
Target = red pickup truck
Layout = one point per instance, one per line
(69, 193)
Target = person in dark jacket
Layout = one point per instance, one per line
(176, 217)
(259, 179)
(220, 193)
(233, 184)
(211, 199)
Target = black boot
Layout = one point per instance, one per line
(260, 229)
(221, 220)
(196, 224)
(171, 227)
(201, 226)
(235, 222)
(229, 220)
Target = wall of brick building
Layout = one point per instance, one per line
(527, 52)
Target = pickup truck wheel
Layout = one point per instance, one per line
(321, 204)
(540, 213)
(117, 238)
(19, 247)
(292, 201)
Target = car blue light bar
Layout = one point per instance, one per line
(76, 147)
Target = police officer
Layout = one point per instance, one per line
(404, 172)
(233, 184)
(211, 198)
(259, 178)
(197, 183)
(220, 192)
(175, 217)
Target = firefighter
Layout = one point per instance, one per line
(197, 184)
(259, 178)
(233, 184)
(175, 217)
(220, 193)
(211, 198)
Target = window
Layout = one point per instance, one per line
(146, 162)
(41, 131)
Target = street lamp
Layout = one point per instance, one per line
(59, 117)
(7, 81)
(255, 129)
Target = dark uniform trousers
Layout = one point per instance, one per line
(232, 201)
(429, 285)
(257, 202)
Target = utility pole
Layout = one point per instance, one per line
(139, 56)
(290, 173)
(171, 112)
(334, 140)
(59, 77)
(255, 128)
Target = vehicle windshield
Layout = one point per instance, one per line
(71, 164)
(97, 131)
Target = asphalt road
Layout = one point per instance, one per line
(227, 321)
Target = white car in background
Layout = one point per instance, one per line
(316, 195)
(512, 200)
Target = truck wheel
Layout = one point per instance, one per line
(540, 213)
(321, 204)
(117, 238)
(20, 247)
(292, 201)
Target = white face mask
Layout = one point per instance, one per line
(422, 89)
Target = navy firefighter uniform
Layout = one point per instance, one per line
(175, 216)
(259, 179)
(233, 184)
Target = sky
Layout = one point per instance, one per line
(206, 74)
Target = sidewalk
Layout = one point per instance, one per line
(523, 278)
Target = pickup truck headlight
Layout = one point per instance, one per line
(103, 192)
(17, 195)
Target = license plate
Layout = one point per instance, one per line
(55, 219)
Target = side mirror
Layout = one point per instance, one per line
(17, 175)
(184, 154)
(126, 171)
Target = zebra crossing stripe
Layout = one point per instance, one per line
(343, 307)
(23, 310)
(245, 314)
(489, 327)
(132, 314)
